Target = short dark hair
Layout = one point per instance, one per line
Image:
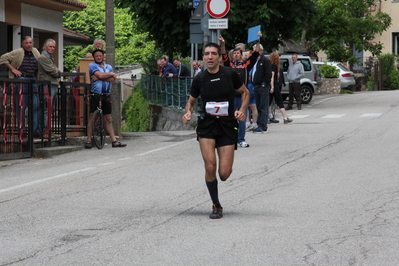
(212, 44)
(175, 58)
(97, 50)
(237, 49)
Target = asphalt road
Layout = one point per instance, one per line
(322, 190)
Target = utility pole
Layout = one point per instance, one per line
(109, 32)
(110, 50)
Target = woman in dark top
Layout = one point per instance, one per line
(278, 80)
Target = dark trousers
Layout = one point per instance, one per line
(294, 90)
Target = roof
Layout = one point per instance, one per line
(58, 5)
(74, 38)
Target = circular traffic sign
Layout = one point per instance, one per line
(218, 8)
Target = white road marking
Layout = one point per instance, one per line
(371, 115)
(163, 148)
(45, 179)
(82, 170)
(333, 116)
(102, 164)
(125, 159)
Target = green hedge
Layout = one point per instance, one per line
(390, 73)
(328, 71)
(136, 112)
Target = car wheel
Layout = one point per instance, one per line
(306, 94)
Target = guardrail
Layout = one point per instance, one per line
(171, 92)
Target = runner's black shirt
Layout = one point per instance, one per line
(218, 87)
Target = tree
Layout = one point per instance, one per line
(130, 46)
(167, 22)
(341, 25)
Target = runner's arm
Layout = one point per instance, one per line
(189, 109)
(240, 114)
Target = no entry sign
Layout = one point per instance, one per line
(218, 8)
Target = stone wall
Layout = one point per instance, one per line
(329, 86)
(169, 119)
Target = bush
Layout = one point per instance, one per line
(328, 71)
(136, 112)
(390, 73)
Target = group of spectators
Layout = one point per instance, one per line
(169, 70)
(264, 79)
(28, 63)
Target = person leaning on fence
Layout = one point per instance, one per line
(181, 69)
(168, 71)
(22, 64)
(49, 71)
(101, 78)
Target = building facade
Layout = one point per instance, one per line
(41, 19)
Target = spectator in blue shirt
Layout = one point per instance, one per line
(101, 78)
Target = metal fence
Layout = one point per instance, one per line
(172, 92)
(27, 116)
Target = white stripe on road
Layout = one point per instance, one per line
(333, 116)
(82, 170)
(371, 115)
(102, 164)
(44, 180)
(163, 148)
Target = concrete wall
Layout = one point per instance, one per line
(169, 119)
(45, 20)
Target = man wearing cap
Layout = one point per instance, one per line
(101, 78)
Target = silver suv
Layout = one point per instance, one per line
(308, 82)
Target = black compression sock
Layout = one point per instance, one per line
(213, 191)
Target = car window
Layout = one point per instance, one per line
(284, 64)
(342, 67)
(306, 64)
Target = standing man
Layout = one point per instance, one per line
(217, 124)
(22, 64)
(261, 77)
(294, 74)
(98, 44)
(49, 71)
(101, 78)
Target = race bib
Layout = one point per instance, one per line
(217, 108)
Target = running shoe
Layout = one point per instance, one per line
(249, 128)
(243, 144)
(259, 130)
(217, 212)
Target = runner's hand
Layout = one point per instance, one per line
(239, 115)
(186, 117)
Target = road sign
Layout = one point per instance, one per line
(196, 3)
(218, 24)
(218, 8)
